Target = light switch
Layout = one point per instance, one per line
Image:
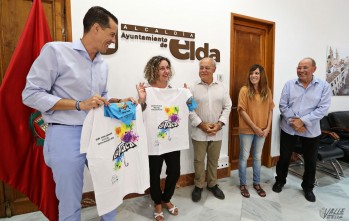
(220, 77)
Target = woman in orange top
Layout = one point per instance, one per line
(255, 108)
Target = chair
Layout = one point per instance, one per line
(339, 121)
(328, 151)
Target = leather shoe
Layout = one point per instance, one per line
(216, 192)
(277, 187)
(196, 194)
(309, 195)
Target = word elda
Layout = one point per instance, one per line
(180, 50)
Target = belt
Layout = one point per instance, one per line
(56, 124)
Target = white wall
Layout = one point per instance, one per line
(303, 29)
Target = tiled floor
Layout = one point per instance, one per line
(289, 205)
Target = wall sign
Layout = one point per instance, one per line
(182, 50)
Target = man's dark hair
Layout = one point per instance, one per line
(98, 15)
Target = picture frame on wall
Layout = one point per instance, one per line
(337, 70)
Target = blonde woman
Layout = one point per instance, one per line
(158, 73)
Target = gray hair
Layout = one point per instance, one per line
(213, 62)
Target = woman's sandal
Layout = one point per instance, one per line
(159, 216)
(172, 210)
(244, 191)
(259, 190)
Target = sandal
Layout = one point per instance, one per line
(172, 210)
(158, 216)
(244, 191)
(259, 190)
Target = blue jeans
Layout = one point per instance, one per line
(246, 142)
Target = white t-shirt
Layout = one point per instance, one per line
(166, 119)
(117, 157)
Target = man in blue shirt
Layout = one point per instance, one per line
(304, 102)
(64, 83)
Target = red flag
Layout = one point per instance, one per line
(22, 163)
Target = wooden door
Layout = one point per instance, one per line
(13, 16)
(252, 41)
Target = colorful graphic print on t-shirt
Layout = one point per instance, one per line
(172, 122)
(128, 140)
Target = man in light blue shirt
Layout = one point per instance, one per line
(64, 83)
(304, 102)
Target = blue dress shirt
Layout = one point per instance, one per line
(309, 104)
(64, 70)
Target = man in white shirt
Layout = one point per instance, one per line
(214, 106)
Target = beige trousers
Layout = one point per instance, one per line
(212, 149)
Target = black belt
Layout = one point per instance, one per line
(62, 124)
